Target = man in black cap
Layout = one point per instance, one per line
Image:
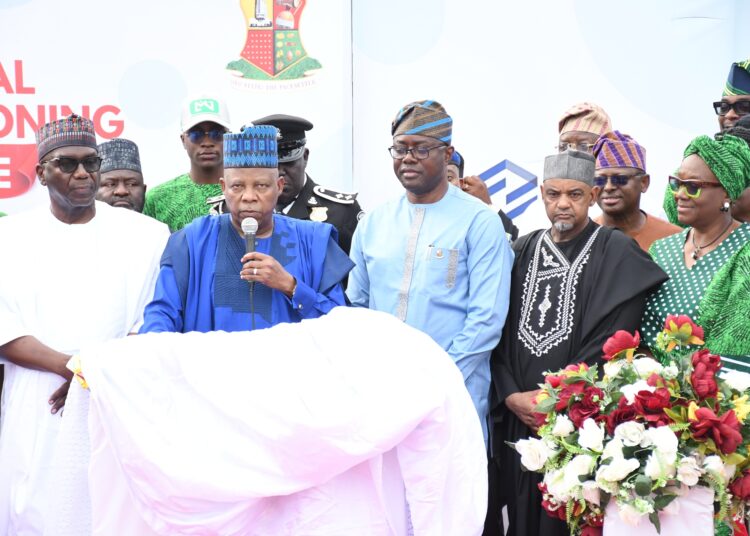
(302, 198)
(121, 183)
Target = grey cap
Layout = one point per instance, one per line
(119, 153)
(573, 165)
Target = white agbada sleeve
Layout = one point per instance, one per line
(318, 428)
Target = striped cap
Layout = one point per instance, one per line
(585, 117)
(423, 118)
(254, 147)
(65, 132)
(738, 81)
(615, 149)
(118, 154)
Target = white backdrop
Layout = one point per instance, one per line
(505, 71)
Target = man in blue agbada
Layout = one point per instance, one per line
(296, 268)
(437, 258)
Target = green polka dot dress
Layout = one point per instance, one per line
(683, 292)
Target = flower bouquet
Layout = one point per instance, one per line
(643, 436)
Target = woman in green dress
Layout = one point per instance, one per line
(708, 263)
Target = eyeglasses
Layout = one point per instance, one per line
(741, 107)
(617, 180)
(420, 153)
(692, 188)
(576, 146)
(67, 164)
(197, 135)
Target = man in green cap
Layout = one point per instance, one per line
(204, 121)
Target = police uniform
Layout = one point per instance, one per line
(320, 204)
(314, 202)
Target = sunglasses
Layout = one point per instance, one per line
(197, 135)
(741, 107)
(692, 188)
(617, 180)
(69, 165)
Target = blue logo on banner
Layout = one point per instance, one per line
(517, 184)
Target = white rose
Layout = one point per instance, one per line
(688, 471)
(534, 453)
(613, 368)
(613, 449)
(617, 469)
(630, 515)
(591, 436)
(713, 464)
(657, 467)
(631, 433)
(646, 366)
(665, 441)
(633, 389)
(670, 372)
(563, 426)
(739, 381)
(579, 466)
(591, 492)
(557, 486)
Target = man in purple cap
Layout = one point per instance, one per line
(82, 273)
(621, 177)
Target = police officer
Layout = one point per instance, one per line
(302, 198)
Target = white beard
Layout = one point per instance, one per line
(562, 227)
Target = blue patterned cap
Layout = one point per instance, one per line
(253, 147)
(424, 118)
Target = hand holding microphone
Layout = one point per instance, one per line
(261, 268)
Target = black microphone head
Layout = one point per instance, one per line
(249, 226)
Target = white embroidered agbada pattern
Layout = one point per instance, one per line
(66, 285)
(352, 423)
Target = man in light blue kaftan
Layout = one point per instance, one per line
(296, 269)
(436, 258)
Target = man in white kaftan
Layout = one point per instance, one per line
(81, 272)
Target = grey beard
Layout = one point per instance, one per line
(562, 227)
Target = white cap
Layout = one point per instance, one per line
(204, 108)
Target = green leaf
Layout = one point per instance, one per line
(654, 518)
(546, 405)
(662, 501)
(643, 485)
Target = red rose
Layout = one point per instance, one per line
(703, 378)
(576, 367)
(624, 413)
(647, 403)
(567, 392)
(620, 342)
(724, 430)
(553, 508)
(588, 530)
(740, 486)
(681, 320)
(553, 380)
(655, 380)
(587, 407)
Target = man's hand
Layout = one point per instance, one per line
(57, 400)
(262, 268)
(477, 187)
(522, 404)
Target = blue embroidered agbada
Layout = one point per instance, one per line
(199, 286)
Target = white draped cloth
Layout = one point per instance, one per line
(349, 424)
(66, 285)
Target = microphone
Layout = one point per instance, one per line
(249, 228)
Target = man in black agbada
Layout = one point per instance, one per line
(572, 287)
